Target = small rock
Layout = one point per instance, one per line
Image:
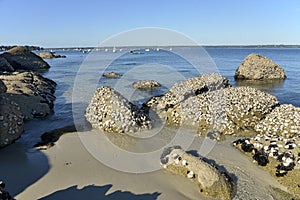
(112, 75)
(146, 84)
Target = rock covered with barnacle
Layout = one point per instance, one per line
(211, 182)
(283, 120)
(11, 122)
(181, 91)
(228, 110)
(146, 84)
(257, 67)
(277, 154)
(110, 111)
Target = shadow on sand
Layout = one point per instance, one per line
(92, 192)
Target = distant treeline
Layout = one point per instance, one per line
(31, 48)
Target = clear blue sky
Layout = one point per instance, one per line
(59, 23)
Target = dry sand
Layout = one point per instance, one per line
(69, 171)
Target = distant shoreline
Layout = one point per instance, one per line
(204, 46)
(37, 48)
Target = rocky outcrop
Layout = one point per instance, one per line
(225, 111)
(11, 121)
(183, 90)
(2, 87)
(110, 111)
(50, 55)
(112, 75)
(20, 58)
(257, 67)
(283, 120)
(146, 84)
(276, 154)
(32, 92)
(210, 181)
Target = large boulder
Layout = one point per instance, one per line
(31, 91)
(110, 111)
(257, 67)
(11, 121)
(283, 120)
(20, 58)
(226, 111)
(146, 84)
(209, 179)
(181, 91)
(49, 55)
(2, 87)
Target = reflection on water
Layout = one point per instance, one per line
(264, 85)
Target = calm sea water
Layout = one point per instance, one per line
(166, 67)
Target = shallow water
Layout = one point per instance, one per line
(164, 66)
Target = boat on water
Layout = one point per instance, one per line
(147, 50)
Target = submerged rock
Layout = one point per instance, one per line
(49, 55)
(211, 182)
(112, 75)
(146, 84)
(11, 122)
(110, 111)
(257, 67)
(31, 91)
(283, 120)
(228, 111)
(20, 58)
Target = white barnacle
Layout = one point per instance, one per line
(190, 174)
(184, 163)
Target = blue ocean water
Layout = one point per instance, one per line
(164, 66)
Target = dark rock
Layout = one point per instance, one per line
(257, 67)
(261, 157)
(5, 65)
(11, 122)
(20, 58)
(4, 195)
(3, 88)
(49, 138)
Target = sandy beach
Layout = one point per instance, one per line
(69, 171)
